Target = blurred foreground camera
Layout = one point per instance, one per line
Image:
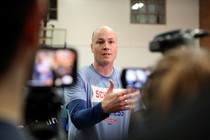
(42, 104)
(172, 39)
(54, 68)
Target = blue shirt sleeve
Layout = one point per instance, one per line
(83, 117)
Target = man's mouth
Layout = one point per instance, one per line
(106, 53)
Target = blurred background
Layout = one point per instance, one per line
(136, 22)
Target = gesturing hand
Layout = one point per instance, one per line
(118, 101)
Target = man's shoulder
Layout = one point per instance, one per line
(84, 69)
(118, 70)
(9, 131)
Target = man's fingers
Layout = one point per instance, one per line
(128, 95)
(128, 107)
(130, 101)
(130, 104)
(128, 91)
(111, 87)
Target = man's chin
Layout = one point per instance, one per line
(107, 62)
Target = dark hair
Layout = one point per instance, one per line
(178, 79)
(13, 14)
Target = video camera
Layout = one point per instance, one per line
(54, 68)
(137, 77)
(175, 38)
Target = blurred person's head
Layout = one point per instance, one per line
(19, 40)
(177, 80)
(20, 28)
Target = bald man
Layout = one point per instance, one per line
(99, 109)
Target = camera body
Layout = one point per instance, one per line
(175, 38)
(54, 68)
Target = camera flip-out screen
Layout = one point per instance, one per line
(134, 77)
(54, 67)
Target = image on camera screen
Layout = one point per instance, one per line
(54, 67)
(134, 77)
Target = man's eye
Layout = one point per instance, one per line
(100, 42)
(110, 42)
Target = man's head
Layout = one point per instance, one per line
(20, 28)
(104, 46)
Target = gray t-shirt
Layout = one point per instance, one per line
(91, 87)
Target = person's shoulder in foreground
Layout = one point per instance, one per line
(19, 41)
(9, 131)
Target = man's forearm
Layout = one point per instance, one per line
(83, 117)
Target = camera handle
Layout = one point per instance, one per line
(42, 104)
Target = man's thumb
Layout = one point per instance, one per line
(111, 87)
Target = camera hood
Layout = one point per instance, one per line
(172, 39)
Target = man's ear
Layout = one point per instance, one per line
(91, 47)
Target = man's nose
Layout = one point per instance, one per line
(106, 46)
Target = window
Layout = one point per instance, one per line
(148, 11)
(53, 10)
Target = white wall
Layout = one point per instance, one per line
(81, 17)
